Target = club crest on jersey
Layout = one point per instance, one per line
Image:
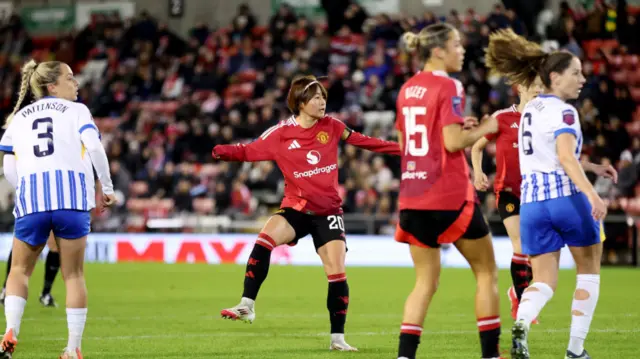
(457, 105)
(322, 137)
(568, 117)
(411, 166)
(510, 207)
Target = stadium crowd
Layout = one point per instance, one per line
(162, 102)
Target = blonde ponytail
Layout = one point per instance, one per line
(27, 71)
(432, 36)
(35, 78)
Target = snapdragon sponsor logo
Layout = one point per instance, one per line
(315, 171)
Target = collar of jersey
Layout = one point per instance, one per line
(548, 96)
(46, 97)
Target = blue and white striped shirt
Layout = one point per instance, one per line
(56, 145)
(543, 120)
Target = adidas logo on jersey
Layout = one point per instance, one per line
(514, 125)
(294, 145)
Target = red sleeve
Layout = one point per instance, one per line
(261, 149)
(373, 144)
(399, 115)
(452, 103)
(491, 137)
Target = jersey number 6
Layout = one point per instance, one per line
(417, 144)
(47, 134)
(527, 137)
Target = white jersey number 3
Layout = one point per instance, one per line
(416, 141)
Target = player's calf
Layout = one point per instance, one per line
(258, 265)
(583, 307)
(338, 305)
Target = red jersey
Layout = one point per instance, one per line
(308, 159)
(432, 177)
(507, 161)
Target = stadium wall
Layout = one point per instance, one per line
(364, 251)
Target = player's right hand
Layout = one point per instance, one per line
(480, 181)
(108, 200)
(491, 123)
(598, 207)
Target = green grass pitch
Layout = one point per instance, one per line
(172, 311)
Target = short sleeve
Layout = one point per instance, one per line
(338, 126)
(452, 103)
(492, 136)
(85, 120)
(565, 120)
(6, 143)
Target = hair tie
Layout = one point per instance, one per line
(310, 83)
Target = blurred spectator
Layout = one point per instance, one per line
(162, 102)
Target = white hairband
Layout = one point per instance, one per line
(310, 83)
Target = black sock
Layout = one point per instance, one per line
(521, 274)
(258, 266)
(8, 270)
(489, 336)
(409, 340)
(338, 302)
(51, 268)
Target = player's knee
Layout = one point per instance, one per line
(427, 286)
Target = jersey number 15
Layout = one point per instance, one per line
(46, 134)
(416, 141)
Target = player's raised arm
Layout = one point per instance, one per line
(369, 143)
(260, 149)
(90, 137)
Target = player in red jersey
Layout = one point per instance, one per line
(437, 200)
(305, 148)
(507, 184)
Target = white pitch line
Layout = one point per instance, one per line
(308, 335)
(300, 316)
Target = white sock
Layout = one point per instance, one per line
(584, 304)
(337, 337)
(76, 317)
(533, 301)
(248, 302)
(13, 310)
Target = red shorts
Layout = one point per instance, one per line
(431, 228)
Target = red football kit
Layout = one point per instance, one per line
(507, 162)
(432, 177)
(437, 199)
(308, 159)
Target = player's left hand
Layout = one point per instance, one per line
(606, 171)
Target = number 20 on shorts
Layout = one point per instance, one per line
(336, 222)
